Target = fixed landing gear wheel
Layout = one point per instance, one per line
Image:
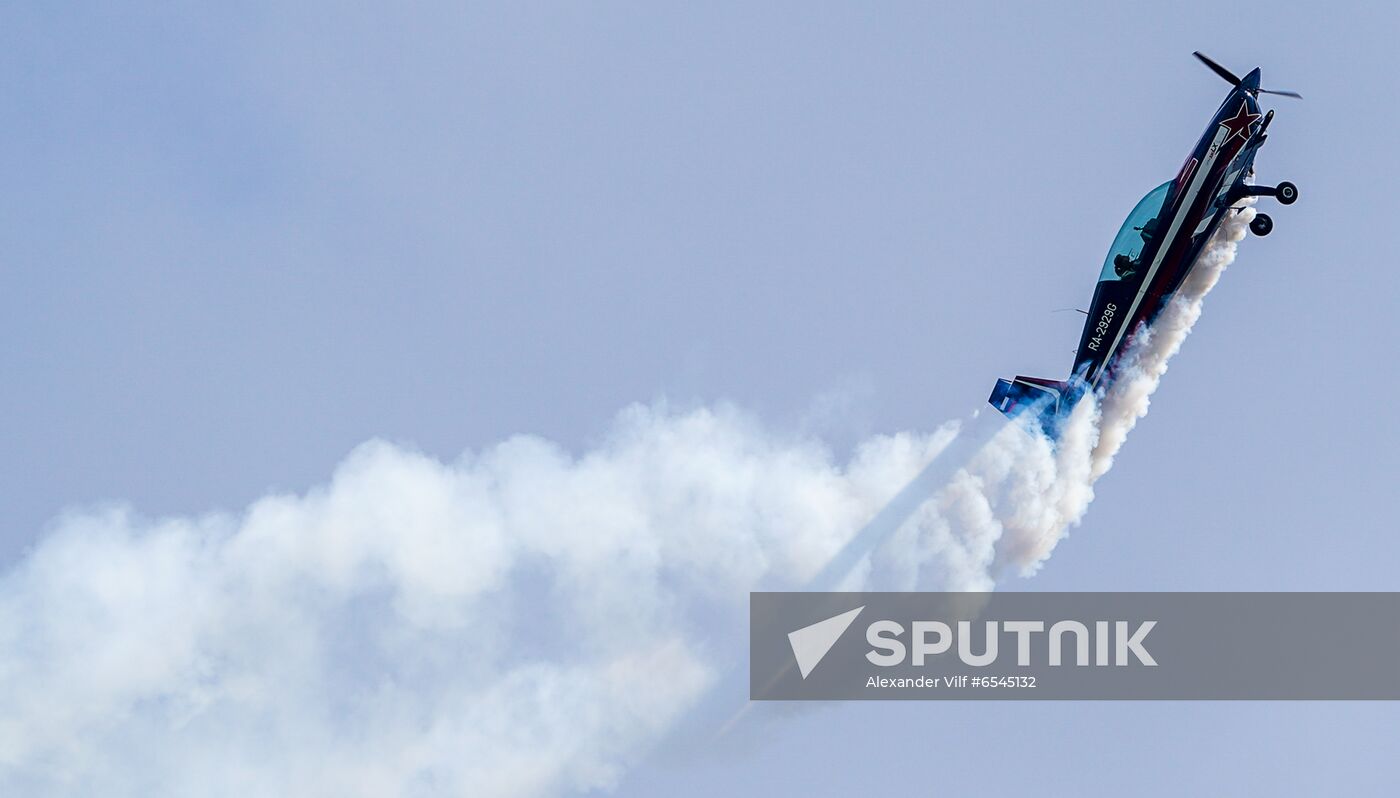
(1262, 225)
(1287, 193)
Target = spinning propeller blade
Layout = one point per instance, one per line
(1235, 81)
(1218, 69)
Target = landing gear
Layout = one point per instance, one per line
(1286, 193)
(1262, 224)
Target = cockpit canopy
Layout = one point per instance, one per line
(1142, 226)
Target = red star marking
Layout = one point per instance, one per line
(1240, 124)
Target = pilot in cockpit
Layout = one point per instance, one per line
(1124, 265)
(1148, 230)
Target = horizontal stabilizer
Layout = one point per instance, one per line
(1047, 399)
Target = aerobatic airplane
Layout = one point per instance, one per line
(1156, 248)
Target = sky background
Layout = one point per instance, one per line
(237, 241)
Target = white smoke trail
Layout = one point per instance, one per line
(1147, 359)
(1018, 496)
(519, 622)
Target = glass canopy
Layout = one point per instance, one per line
(1124, 258)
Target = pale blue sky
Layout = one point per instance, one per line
(237, 241)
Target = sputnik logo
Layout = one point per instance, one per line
(811, 643)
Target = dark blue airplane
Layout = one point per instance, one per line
(1156, 248)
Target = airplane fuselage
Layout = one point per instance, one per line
(1193, 206)
(1155, 250)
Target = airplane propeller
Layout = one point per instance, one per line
(1218, 69)
(1235, 81)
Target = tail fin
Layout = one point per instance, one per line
(1049, 400)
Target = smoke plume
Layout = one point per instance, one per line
(1018, 495)
(519, 622)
